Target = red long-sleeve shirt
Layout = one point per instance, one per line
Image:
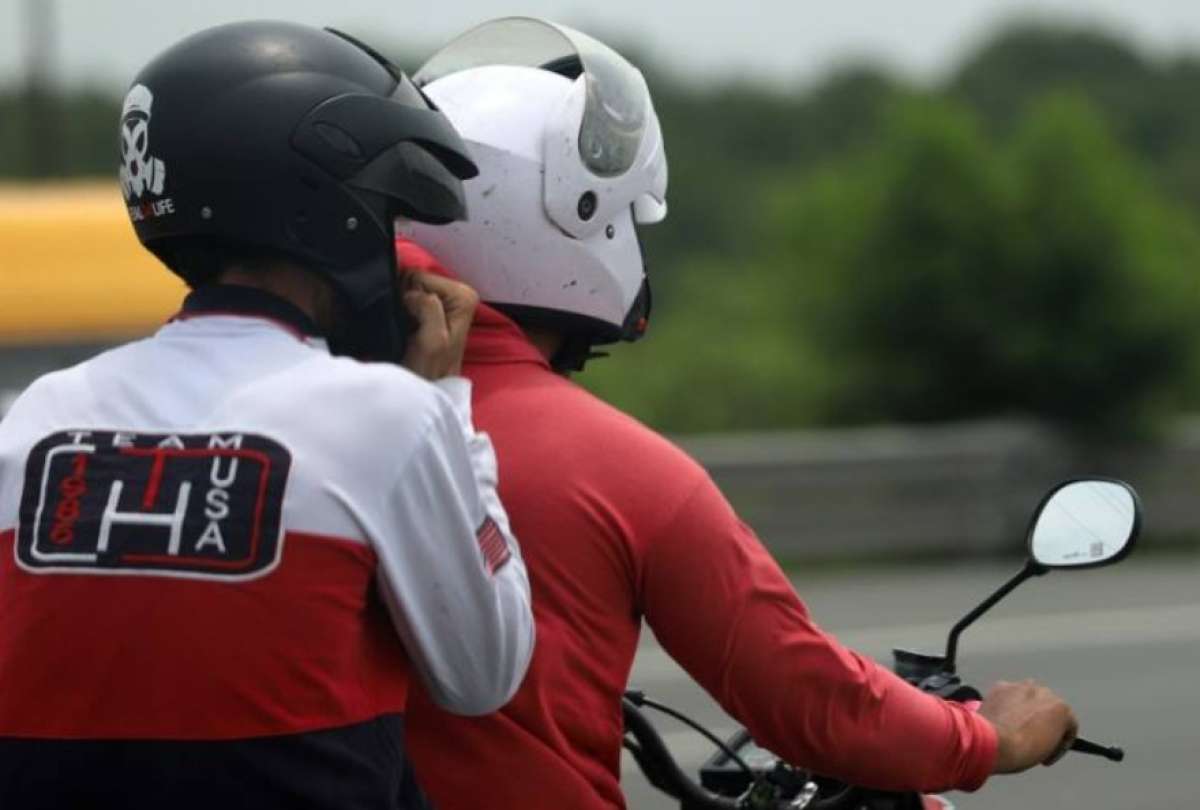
(617, 524)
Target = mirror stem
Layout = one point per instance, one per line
(1030, 569)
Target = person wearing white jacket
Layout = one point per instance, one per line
(227, 553)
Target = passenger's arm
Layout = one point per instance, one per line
(451, 572)
(720, 606)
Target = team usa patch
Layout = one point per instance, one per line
(493, 546)
(193, 505)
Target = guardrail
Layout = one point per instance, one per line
(952, 490)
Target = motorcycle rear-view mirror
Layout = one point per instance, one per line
(1085, 524)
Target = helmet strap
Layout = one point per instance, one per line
(574, 353)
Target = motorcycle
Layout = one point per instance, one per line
(1080, 524)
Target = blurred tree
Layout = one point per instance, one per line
(1104, 276)
(722, 354)
(15, 159)
(725, 349)
(846, 111)
(898, 257)
(1179, 160)
(726, 142)
(1021, 63)
(87, 143)
(1150, 105)
(944, 277)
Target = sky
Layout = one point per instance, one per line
(104, 42)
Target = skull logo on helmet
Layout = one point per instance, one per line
(139, 171)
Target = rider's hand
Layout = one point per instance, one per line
(443, 310)
(1034, 725)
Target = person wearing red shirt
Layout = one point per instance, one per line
(617, 524)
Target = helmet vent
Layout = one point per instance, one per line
(339, 140)
(587, 205)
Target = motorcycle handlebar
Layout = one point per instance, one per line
(1112, 753)
(660, 767)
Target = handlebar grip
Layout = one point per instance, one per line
(1112, 753)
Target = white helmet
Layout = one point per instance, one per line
(570, 156)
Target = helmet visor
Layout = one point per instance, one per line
(617, 104)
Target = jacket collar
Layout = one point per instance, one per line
(495, 338)
(249, 302)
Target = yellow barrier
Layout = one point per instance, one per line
(72, 270)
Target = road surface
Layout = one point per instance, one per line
(1122, 644)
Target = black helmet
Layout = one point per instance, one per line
(279, 139)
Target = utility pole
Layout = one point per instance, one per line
(42, 150)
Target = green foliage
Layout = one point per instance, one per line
(950, 277)
(66, 135)
(724, 354)
(897, 251)
(936, 274)
(1150, 106)
(726, 143)
(1026, 61)
(1107, 264)
(1005, 246)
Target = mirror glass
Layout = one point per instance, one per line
(1084, 523)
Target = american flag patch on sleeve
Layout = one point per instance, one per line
(493, 545)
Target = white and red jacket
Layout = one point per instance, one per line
(223, 534)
